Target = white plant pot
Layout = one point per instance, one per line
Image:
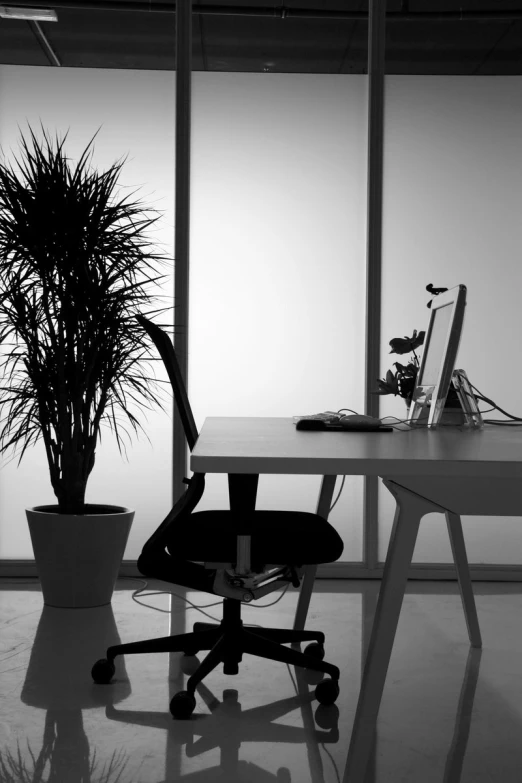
(78, 556)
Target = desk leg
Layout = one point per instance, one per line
(410, 510)
(456, 537)
(323, 509)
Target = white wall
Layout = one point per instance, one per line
(452, 214)
(82, 100)
(277, 261)
(277, 267)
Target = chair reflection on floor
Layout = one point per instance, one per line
(228, 725)
(55, 681)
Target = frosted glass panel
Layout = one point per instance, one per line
(82, 100)
(277, 265)
(452, 206)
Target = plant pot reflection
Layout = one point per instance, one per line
(58, 680)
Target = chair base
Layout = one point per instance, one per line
(228, 642)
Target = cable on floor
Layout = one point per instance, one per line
(199, 608)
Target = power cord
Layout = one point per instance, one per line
(199, 608)
(480, 396)
(338, 495)
(332, 760)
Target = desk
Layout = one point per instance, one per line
(449, 470)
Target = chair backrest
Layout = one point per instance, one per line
(166, 350)
(191, 497)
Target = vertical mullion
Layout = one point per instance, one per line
(181, 295)
(182, 225)
(376, 46)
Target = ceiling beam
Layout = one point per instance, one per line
(44, 43)
(267, 11)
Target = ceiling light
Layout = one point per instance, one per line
(31, 14)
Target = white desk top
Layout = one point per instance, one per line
(273, 445)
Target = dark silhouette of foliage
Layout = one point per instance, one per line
(402, 381)
(71, 260)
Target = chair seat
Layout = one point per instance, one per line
(280, 537)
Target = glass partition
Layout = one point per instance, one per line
(452, 203)
(277, 263)
(277, 268)
(81, 100)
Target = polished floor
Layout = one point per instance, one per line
(449, 714)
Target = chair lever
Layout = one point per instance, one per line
(186, 480)
(225, 587)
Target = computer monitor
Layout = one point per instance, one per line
(440, 354)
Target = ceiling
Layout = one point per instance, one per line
(482, 37)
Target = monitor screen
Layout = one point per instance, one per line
(437, 343)
(440, 352)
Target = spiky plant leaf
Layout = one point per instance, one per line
(75, 268)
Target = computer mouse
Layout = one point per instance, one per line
(355, 420)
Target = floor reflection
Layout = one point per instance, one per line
(228, 726)
(65, 756)
(57, 681)
(449, 714)
(457, 752)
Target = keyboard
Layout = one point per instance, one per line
(329, 417)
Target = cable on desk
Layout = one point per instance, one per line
(511, 423)
(515, 421)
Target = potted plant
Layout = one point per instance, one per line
(70, 266)
(402, 381)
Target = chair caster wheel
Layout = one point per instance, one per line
(103, 671)
(327, 691)
(311, 676)
(182, 705)
(189, 663)
(327, 717)
(315, 649)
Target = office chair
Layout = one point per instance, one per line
(240, 556)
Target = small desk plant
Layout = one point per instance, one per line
(402, 381)
(71, 260)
